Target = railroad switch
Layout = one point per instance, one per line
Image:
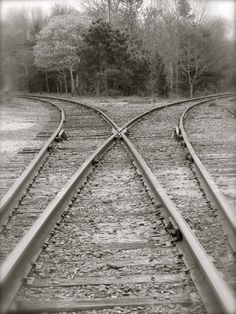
(126, 132)
(61, 136)
(173, 229)
(113, 131)
(118, 137)
(177, 133)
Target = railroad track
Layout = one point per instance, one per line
(121, 250)
(147, 225)
(21, 184)
(172, 166)
(18, 145)
(213, 191)
(85, 132)
(218, 154)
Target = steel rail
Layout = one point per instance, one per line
(135, 120)
(215, 293)
(227, 217)
(14, 194)
(19, 261)
(225, 212)
(100, 112)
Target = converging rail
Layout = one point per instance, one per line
(15, 193)
(225, 213)
(215, 293)
(103, 115)
(216, 197)
(220, 298)
(20, 260)
(135, 120)
(22, 183)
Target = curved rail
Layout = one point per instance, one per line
(142, 115)
(226, 214)
(19, 261)
(14, 194)
(104, 116)
(136, 119)
(215, 293)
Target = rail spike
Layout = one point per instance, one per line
(177, 133)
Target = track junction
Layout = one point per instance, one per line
(118, 233)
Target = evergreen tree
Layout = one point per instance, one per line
(158, 81)
(139, 65)
(115, 63)
(103, 56)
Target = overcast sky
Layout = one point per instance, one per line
(224, 8)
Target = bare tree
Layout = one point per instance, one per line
(122, 14)
(194, 55)
(61, 8)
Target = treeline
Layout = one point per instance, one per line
(118, 47)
